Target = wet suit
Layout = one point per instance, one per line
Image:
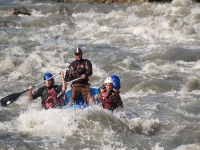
(79, 87)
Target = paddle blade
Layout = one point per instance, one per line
(10, 98)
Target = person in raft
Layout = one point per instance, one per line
(109, 98)
(80, 68)
(116, 84)
(52, 95)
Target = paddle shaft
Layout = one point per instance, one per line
(69, 83)
(46, 80)
(73, 80)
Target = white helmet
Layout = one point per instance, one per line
(108, 80)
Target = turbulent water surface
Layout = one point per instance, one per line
(153, 47)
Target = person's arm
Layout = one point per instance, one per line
(33, 95)
(89, 71)
(30, 95)
(68, 73)
(97, 99)
(119, 101)
(64, 86)
(61, 88)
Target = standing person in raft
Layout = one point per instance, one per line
(109, 98)
(51, 95)
(80, 68)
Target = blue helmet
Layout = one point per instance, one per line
(47, 76)
(116, 82)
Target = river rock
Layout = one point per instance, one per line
(64, 11)
(20, 10)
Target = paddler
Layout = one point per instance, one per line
(52, 95)
(80, 68)
(109, 98)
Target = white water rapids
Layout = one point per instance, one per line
(153, 47)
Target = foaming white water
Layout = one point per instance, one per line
(47, 123)
(189, 146)
(154, 48)
(182, 2)
(135, 24)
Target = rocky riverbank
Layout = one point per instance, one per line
(116, 1)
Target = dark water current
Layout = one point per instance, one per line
(153, 47)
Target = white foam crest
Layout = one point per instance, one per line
(118, 16)
(15, 75)
(35, 60)
(131, 27)
(155, 27)
(36, 13)
(24, 68)
(52, 60)
(8, 126)
(194, 146)
(164, 70)
(151, 68)
(98, 74)
(7, 64)
(14, 61)
(196, 65)
(183, 94)
(157, 147)
(89, 14)
(47, 123)
(39, 37)
(140, 93)
(182, 2)
(186, 114)
(112, 145)
(24, 101)
(146, 126)
(88, 31)
(3, 37)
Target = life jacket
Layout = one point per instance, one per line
(78, 71)
(51, 99)
(108, 100)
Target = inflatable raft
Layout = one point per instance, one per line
(80, 103)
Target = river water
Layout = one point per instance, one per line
(153, 47)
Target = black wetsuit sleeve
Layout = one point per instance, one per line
(38, 93)
(88, 67)
(68, 73)
(58, 88)
(119, 103)
(67, 77)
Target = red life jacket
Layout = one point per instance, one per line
(108, 100)
(52, 100)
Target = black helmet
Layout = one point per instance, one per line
(77, 50)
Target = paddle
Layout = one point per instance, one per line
(69, 82)
(13, 97)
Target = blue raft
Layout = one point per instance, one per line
(80, 103)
